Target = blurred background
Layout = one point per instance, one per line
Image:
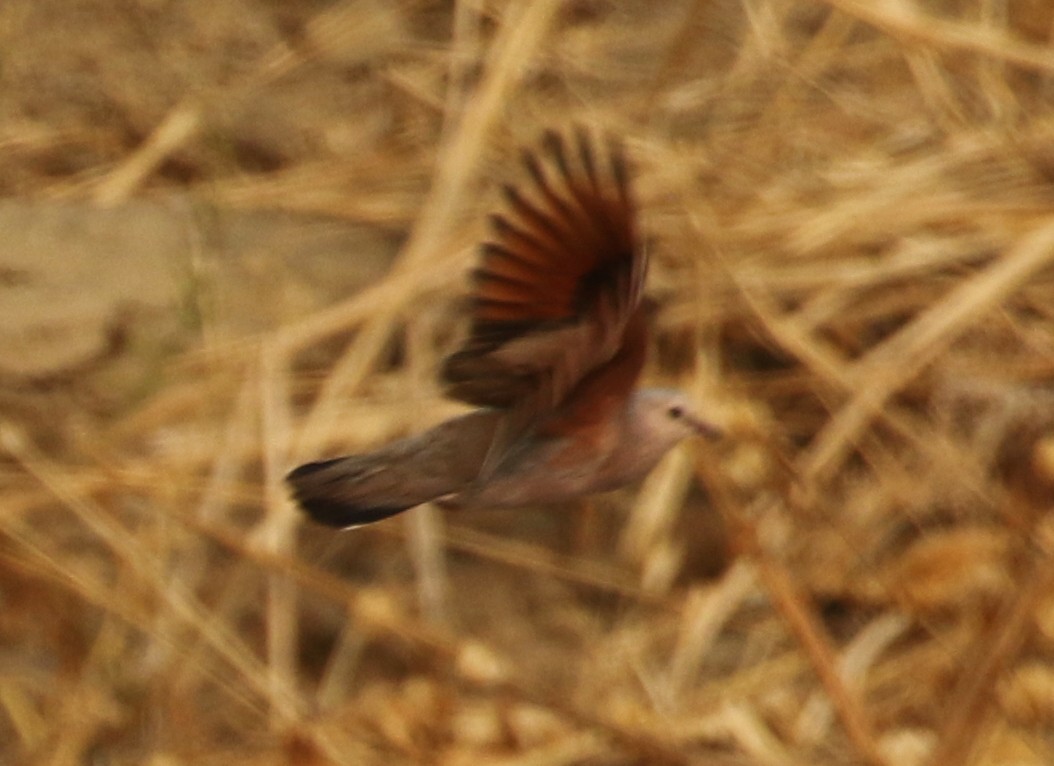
(235, 236)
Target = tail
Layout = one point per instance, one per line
(322, 490)
(338, 493)
(361, 489)
(318, 488)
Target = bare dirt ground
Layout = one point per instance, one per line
(235, 236)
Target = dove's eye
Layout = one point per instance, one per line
(676, 412)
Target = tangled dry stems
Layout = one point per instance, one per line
(849, 206)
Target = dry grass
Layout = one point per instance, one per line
(850, 209)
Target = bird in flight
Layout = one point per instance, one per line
(557, 340)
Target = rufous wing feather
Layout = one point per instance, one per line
(558, 281)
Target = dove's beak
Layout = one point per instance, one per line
(706, 429)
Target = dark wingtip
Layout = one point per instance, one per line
(317, 497)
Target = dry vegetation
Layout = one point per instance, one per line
(850, 211)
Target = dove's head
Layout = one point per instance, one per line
(662, 417)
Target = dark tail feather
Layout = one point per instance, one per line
(322, 494)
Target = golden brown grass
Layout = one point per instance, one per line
(849, 206)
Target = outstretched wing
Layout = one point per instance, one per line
(558, 284)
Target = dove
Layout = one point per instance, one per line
(558, 336)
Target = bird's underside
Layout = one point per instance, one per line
(557, 339)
